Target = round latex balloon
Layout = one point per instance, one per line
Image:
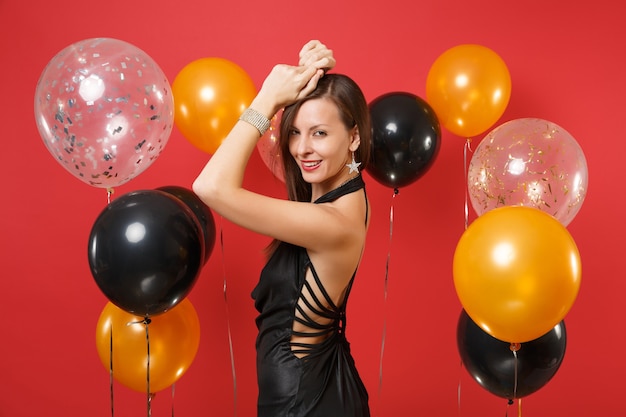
(202, 212)
(122, 344)
(406, 138)
(492, 363)
(517, 272)
(269, 148)
(529, 162)
(210, 94)
(104, 110)
(469, 87)
(146, 250)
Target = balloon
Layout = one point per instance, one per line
(201, 211)
(529, 162)
(146, 251)
(469, 87)
(104, 110)
(210, 94)
(491, 362)
(173, 339)
(516, 272)
(269, 148)
(405, 139)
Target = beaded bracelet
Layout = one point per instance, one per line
(256, 119)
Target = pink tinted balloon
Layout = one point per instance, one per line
(104, 110)
(529, 162)
(269, 150)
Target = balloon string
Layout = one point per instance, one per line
(514, 348)
(458, 390)
(111, 370)
(149, 395)
(519, 407)
(173, 392)
(110, 192)
(466, 148)
(385, 292)
(230, 338)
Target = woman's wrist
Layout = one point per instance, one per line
(267, 108)
(256, 119)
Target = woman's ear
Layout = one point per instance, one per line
(355, 139)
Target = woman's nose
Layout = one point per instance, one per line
(303, 145)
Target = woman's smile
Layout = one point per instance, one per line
(310, 165)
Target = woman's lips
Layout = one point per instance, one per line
(309, 165)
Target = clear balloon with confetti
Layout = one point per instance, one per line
(529, 162)
(269, 147)
(104, 110)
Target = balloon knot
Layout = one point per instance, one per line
(515, 347)
(396, 191)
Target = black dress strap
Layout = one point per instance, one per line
(348, 187)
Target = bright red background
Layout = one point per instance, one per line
(566, 61)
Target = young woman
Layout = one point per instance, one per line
(304, 365)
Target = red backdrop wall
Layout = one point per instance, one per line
(566, 61)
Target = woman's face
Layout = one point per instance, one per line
(321, 144)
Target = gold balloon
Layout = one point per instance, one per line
(469, 87)
(517, 272)
(174, 337)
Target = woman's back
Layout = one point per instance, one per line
(304, 365)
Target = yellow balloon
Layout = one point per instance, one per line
(517, 272)
(468, 87)
(173, 336)
(209, 96)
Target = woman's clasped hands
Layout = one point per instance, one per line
(287, 83)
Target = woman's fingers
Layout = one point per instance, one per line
(314, 53)
(312, 84)
(307, 49)
(287, 83)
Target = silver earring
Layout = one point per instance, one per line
(354, 165)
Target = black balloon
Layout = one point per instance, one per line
(202, 212)
(406, 138)
(146, 251)
(491, 362)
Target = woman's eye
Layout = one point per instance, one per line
(293, 132)
(319, 133)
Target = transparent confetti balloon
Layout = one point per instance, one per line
(104, 110)
(269, 148)
(529, 162)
